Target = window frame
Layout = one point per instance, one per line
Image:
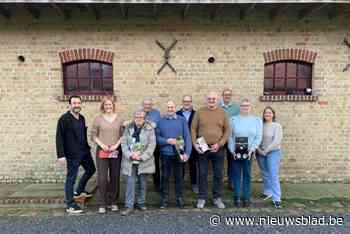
(285, 77)
(91, 78)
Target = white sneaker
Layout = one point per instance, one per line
(102, 210)
(114, 208)
(219, 204)
(200, 203)
(74, 210)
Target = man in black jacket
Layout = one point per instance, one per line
(188, 112)
(73, 150)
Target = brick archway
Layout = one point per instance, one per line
(86, 54)
(290, 54)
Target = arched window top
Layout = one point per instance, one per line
(76, 55)
(300, 55)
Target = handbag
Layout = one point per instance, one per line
(107, 154)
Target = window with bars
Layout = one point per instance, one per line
(287, 78)
(88, 77)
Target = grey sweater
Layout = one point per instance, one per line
(272, 137)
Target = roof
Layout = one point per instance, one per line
(177, 1)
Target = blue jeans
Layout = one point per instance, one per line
(269, 167)
(72, 172)
(241, 173)
(140, 190)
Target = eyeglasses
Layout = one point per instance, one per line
(246, 105)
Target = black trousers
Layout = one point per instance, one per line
(170, 163)
(156, 175)
(217, 160)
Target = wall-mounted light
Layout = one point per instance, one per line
(21, 58)
(211, 59)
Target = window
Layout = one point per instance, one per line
(287, 78)
(88, 77)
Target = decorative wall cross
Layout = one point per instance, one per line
(166, 56)
(346, 42)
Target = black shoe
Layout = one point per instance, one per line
(264, 196)
(82, 194)
(237, 203)
(277, 204)
(163, 204)
(180, 203)
(74, 209)
(246, 203)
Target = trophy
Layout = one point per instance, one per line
(241, 149)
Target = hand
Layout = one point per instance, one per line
(113, 147)
(136, 156)
(197, 148)
(215, 148)
(171, 141)
(104, 147)
(61, 161)
(184, 157)
(250, 154)
(261, 152)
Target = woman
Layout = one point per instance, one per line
(244, 140)
(269, 157)
(106, 133)
(138, 144)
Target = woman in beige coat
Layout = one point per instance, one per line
(138, 144)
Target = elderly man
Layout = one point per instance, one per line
(174, 139)
(232, 109)
(211, 123)
(153, 115)
(188, 112)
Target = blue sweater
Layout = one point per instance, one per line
(173, 128)
(246, 126)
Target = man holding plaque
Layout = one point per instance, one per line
(210, 129)
(173, 137)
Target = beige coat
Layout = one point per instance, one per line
(148, 142)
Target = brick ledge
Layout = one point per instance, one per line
(85, 98)
(288, 98)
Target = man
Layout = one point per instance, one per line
(153, 115)
(174, 139)
(232, 109)
(73, 150)
(188, 112)
(211, 123)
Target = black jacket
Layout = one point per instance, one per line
(180, 112)
(67, 142)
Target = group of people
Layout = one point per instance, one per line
(157, 144)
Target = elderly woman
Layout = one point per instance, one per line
(269, 157)
(106, 133)
(244, 140)
(138, 144)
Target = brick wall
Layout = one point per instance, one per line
(316, 133)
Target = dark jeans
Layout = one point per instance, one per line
(72, 171)
(170, 163)
(108, 172)
(193, 168)
(241, 168)
(229, 162)
(217, 160)
(156, 175)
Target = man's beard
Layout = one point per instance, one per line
(76, 110)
